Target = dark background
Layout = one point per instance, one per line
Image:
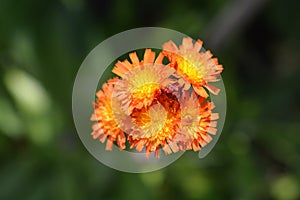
(42, 44)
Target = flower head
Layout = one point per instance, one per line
(107, 120)
(157, 124)
(196, 67)
(197, 122)
(141, 81)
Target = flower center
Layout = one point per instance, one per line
(152, 118)
(190, 69)
(145, 91)
(188, 118)
(158, 116)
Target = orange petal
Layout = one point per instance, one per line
(213, 89)
(212, 130)
(174, 147)
(149, 56)
(198, 45)
(102, 138)
(93, 117)
(96, 134)
(202, 142)
(201, 91)
(187, 43)
(170, 46)
(159, 58)
(120, 69)
(140, 145)
(214, 116)
(167, 149)
(213, 124)
(196, 146)
(134, 58)
(157, 153)
(187, 86)
(207, 138)
(109, 145)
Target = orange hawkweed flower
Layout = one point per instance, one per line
(157, 125)
(152, 107)
(197, 121)
(107, 125)
(196, 67)
(141, 81)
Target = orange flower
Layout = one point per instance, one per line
(141, 81)
(196, 68)
(107, 117)
(157, 125)
(197, 121)
(151, 105)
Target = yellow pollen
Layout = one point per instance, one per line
(189, 69)
(145, 91)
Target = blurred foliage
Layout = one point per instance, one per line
(42, 44)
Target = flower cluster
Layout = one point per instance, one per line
(159, 102)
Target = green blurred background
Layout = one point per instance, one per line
(42, 44)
